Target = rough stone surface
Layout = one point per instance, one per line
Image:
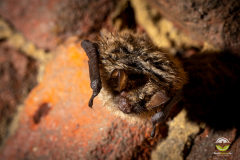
(235, 149)
(5, 30)
(181, 133)
(163, 32)
(204, 145)
(17, 77)
(35, 19)
(84, 18)
(216, 22)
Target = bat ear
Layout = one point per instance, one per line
(121, 79)
(157, 99)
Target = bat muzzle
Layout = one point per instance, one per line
(124, 104)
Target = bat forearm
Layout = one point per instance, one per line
(178, 97)
(91, 51)
(161, 116)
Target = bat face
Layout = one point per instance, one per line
(135, 79)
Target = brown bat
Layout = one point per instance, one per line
(137, 80)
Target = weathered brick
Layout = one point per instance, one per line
(17, 77)
(35, 19)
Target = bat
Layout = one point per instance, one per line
(134, 78)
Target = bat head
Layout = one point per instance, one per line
(138, 78)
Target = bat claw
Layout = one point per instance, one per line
(90, 103)
(153, 132)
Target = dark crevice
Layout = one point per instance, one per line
(127, 17)
(190, 143)
(43, 110)
(236, 137)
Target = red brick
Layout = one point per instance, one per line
(17, 76)
(35, 19)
